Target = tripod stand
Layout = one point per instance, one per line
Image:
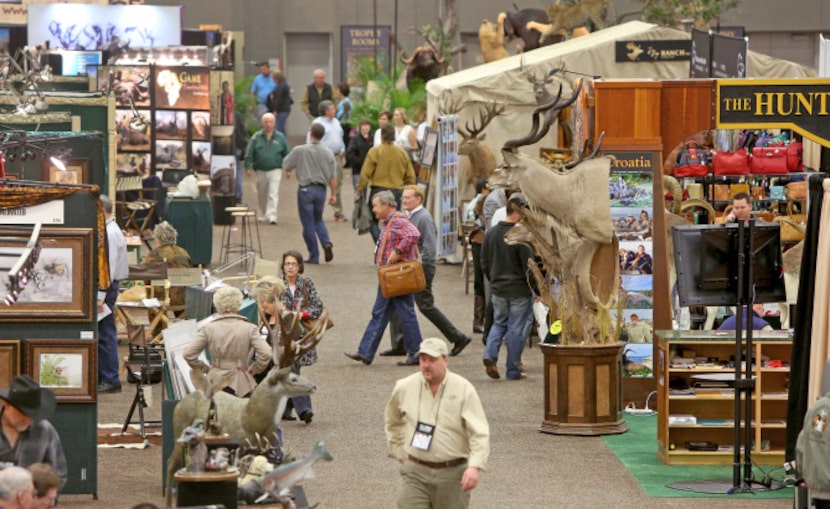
(141, 374)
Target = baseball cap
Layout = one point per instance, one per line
(434, 347)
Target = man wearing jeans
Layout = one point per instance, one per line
(262, 86)
(108, 380)
(266, 151)
(316, 167)
(505, 266)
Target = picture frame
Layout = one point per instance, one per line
(67, 367)
(77, 172)
(9, 361)
(429, 147)
(58, 290)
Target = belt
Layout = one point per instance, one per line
(438, 464)
(225, 364)
(315, 184)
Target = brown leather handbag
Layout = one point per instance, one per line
(401, 278)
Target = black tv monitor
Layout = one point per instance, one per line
(172, 176)
(706, 259)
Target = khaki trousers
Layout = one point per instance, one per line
(428, 488)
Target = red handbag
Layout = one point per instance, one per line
(795, 162)
(691, 162)
(731, 163)
(769, 160)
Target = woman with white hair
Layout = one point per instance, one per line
(229, 339)
(174, 256)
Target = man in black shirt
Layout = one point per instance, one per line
(505, 266)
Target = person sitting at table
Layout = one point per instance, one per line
(229, 339)
(758, 323)
(26, 435)
(174, 256)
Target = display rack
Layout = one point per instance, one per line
(705, 414)
(447, 198)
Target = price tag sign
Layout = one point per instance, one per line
(46, 213)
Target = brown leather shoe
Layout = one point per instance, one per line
(357, 357)
(491, 369)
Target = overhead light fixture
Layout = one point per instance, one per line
(59, 164)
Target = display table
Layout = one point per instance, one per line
(193, 220)
(197, 488)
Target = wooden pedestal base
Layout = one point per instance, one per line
(582, 390)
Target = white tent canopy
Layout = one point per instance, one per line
(594, 54)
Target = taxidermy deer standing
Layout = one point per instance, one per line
(247, 419)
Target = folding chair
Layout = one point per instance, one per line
(137, 213)
(145, 307)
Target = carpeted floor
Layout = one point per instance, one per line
(109, 436)
(637, 450)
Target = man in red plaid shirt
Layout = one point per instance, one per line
(398, 242)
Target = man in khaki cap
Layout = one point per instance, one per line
(436, 428)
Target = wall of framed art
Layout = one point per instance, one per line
(50, 332)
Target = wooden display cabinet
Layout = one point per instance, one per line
(716, 407)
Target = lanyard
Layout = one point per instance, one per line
(440, 397)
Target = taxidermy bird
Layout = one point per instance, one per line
(280, 481)
(197, 452)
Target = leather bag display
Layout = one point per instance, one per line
(738, 188)
(401, 278)
(769, 160)
(691, 162)
(731, 163)
(795, 160)
(721, 192)
(793, 225)
(695, 191)
(797, 190)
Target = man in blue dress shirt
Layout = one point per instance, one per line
(262, 86)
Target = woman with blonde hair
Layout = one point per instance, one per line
(229, 339)
(405, 135)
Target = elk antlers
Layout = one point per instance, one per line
(485, 116)
(287, 333)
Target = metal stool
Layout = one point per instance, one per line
(246, 239)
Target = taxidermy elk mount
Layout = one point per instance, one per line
(432, 59)
(600, 13)
(251, 419)
(566, 220)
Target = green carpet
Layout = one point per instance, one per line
(637, 450)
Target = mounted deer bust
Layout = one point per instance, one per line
(543, 96)
(258, 416)
(482, 160)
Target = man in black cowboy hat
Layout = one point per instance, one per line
(26, 436)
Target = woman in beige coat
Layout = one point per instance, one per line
(229, 339)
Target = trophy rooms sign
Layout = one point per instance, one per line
(799, 104)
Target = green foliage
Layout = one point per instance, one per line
(379, 93)
(673, 12)
(245, 103)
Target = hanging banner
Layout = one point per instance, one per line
(701, 55)
(653, 51)
(799, 104)
(729, 56)
(360, 40)
(104, 27)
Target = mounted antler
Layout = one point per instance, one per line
(448, 106)
(485, 116)
(585, 148)
(536, 132)
(294, 346)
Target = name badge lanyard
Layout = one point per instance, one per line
(424, 433)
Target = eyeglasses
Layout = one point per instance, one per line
(291, 264)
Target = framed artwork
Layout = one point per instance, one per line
(59, 288)
(171, 125)
(171, 154)
(429, 147)
(9, 361)
(77, 172)
(66, 367)
(134, 132)
(200, 125)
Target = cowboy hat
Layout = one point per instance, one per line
(28, 397)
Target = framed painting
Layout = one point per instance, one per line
(9, 361)
(66, 367)
(77, 172)
(59, 288)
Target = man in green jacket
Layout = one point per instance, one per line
(266, 151)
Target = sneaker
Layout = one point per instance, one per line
(340, 218)
(491, 369)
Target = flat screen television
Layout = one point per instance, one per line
(73, 63)
(172, 177)
(706, 259)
